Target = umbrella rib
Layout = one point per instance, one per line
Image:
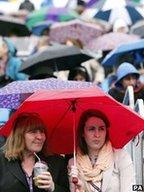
(60, 120)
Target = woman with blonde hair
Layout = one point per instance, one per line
(27, 141)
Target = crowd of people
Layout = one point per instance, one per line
(97, 166)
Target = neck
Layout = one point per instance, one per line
(28, 156)
(93, 157)
(28, 163)
(93, 153)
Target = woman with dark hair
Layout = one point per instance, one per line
(27, 141)
(99, 167)
(78, 74)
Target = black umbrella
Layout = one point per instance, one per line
(12, 26)
(57, 58)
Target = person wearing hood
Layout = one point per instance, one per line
(9, 63)
(127, 75)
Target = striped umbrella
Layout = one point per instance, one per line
(128, 13)
(54, 14)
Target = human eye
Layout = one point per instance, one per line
(33, 131)
(91, 128)
(102, 128)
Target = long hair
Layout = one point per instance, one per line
(15, 144)
(81, 143)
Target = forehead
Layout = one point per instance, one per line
(130, 76)
(95, 121)
(31, 126)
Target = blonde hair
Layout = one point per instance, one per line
(15, 144)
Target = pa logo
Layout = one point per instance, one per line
(137, 188)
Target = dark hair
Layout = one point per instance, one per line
(81, 70)
(84, 117)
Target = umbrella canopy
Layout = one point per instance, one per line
(60, 109)
(134, 51)
(57, 57)
(128, 13)
(88, 13)
(12, 95)
(12, 26)
(134, 2)
(75, 29)
(91, 3)
(105, 4)
(110, 41)
(40, 27)
(53, 13)
(24, 45)
(138, 28)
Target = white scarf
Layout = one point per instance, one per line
(95, 174)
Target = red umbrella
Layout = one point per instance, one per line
(61, 109)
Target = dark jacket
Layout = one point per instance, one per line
(118, 94)
(12, 178)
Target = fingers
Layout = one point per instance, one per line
(74, 171)
(74, 177)
(44, 181)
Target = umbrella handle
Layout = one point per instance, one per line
(74, 138)
(75, 180)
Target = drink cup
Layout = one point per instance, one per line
(39, 168)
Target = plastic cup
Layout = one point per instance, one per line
(39, 168)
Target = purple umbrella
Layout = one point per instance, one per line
(75, 29)
(91, 3)
(110, 41)
(12, 95)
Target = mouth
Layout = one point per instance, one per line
(96, 142)
(38, 143)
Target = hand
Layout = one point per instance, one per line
(75, 179)
(45, 181)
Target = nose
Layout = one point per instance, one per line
(96, 133)
(132, 82)
(39, 135)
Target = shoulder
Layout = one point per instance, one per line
(55, 160)
(122, 158)
(15, 60)
(3, 160)
(113, 90)
(1, 154)
(120, 153)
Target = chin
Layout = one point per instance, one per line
(37, 150)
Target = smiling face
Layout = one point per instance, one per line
(94, 133)
(34, 140)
